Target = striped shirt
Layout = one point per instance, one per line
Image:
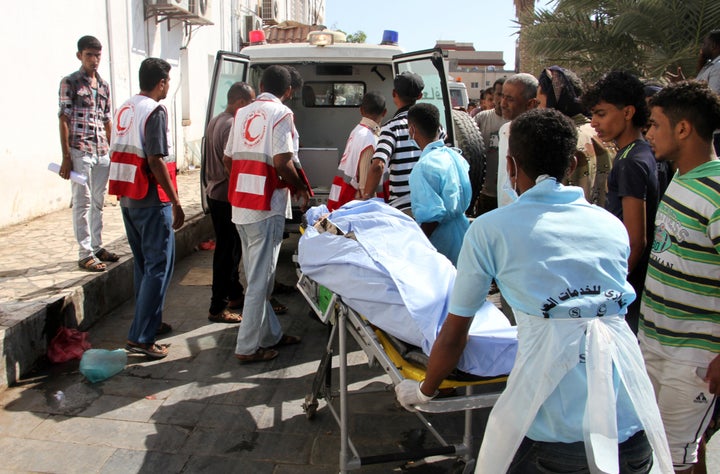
(399, 153)
(680, 311)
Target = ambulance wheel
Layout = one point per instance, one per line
(469, 139)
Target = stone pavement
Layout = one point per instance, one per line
(200, 410)
(41, 286)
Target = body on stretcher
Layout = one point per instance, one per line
(382, 265)
(377, 277)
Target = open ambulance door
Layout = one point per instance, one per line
(461, 130)
(229, 69)
(429, 64)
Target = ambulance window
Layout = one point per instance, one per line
(333, 94)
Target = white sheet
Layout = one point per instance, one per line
(393, 276)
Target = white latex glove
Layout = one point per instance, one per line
(408, 394)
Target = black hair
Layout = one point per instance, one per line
(620, 89)
(499, 80)
(296, 80)
(543, 141)
(152, 71)
(373, 103)
(239, 90)
(88, 42)
(714, 38)
(692, 101)
(276, 80)
(426, 118)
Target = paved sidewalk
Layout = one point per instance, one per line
(41, 286)
(200, 410)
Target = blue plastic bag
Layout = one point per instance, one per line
(99, 364)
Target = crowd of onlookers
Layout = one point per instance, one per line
(646, 153)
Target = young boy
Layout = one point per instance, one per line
(355, 162)
(680, 312)
(619, 112)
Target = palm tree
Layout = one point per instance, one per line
(646, 37)
(524, 12)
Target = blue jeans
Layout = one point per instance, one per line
(260, 250)
(88, 200)
(635, 456)
(152, 241)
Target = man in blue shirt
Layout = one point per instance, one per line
(578, 396)
(440, 189)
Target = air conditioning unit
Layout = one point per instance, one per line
(270, 12)
(180, 6)
(252, 23)
(201, 8)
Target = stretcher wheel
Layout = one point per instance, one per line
(310, 407)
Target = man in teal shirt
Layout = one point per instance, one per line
(440, 189)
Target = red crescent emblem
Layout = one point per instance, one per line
(254, 136)
(123, 124)
(248, 137)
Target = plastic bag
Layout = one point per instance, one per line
(100, 364)
(67, 344)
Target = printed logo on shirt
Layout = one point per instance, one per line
(661, 240)
(701, 398)
(254, 128)
(125, 117)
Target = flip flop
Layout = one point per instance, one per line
(278, 307)
(154, 351)
(258, 356)
(164, 328)
(92, 264)
(105, 256)
(225, 316)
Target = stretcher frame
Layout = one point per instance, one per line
(342, 319)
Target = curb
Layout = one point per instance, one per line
(24, 343)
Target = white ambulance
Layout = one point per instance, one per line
(336, 75)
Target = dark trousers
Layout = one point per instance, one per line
(226, 259)
(635, 456)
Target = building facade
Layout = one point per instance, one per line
(40, 40)
(478, 70)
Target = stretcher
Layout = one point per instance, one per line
(383, 350)
(345, 297)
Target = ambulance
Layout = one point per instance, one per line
(336, 75)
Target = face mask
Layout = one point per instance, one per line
(507, 186)
(413, 142)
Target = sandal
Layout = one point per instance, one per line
(92, 264)
(106, 256)
(236, 305)
(225, 316)
(164, 328)
(154, 351)
(258, 356)
(287, 340)
(278, 307)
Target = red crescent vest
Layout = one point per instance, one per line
(345, 183)
(130, 175)
(253, 177)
